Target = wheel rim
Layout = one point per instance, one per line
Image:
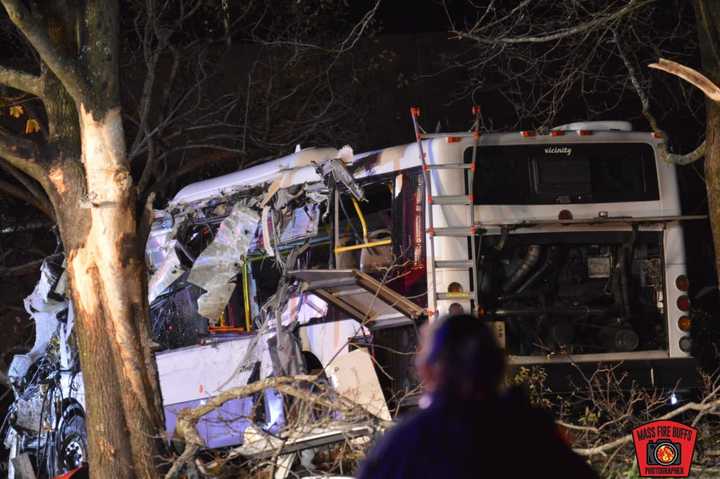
(73, 452)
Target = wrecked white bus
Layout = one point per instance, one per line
(569, 242)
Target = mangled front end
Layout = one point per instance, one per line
(229, 309)
(45, 425)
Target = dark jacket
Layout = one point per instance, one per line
(503, 437)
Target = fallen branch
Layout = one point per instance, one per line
(701, 407)
(186, 426)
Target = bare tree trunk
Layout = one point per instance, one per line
(712, 176)
(107, 274)
(708, 20)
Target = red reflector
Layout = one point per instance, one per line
(557, 133)
(453, 139)
(476, 109)
(682, 283)
(527, 133)
(565, 215)
(683, 303)
(584, 132)
(415, 111)
(684, 324)
(655, 134)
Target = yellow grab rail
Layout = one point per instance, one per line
(366, 244)
(362, 219)
(372, 244)
(246, 294)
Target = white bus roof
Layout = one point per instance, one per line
(298, 167)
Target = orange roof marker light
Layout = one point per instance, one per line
(528, 133)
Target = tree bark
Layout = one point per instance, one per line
(712, 176)
(708, 21)
(107, 274)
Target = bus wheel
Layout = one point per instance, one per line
(72, 443)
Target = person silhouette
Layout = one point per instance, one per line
(466, 426)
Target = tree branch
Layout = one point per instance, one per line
(22, 269)
(29, 185)
(21, 153)
(21, 81)
(700, 407)
(697, 154)
(685, 159)
(690, 75)
(65, 68)
(560, 34)
(22, 194)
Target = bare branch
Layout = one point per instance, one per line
(307, 399)
(22, 194)
(22, 269)
(31, 186)
(690, 75)
(700, 407)
(21, 81)
(188, 418)
(65, 68)
(685, 159)
(697, 154)
(23, 154)
(598, 21)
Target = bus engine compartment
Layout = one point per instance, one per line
(575, 292)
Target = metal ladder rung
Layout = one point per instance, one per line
(454, 264)
(452, 200)
(462, 295)
(453, 231)
(451, 166)
(468, 170)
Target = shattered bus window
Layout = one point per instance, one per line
(175, 320)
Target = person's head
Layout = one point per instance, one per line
(459, 357)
